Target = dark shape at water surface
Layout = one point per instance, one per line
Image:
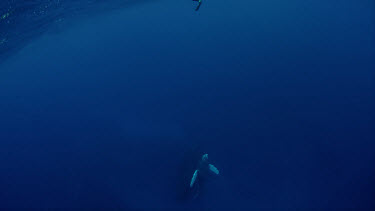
(23, 20)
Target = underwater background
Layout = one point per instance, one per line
(106, 105)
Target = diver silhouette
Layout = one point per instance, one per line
(199, 4)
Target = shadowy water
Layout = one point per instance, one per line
(21, 21)
(113, 111)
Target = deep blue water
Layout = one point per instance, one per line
(106, 105)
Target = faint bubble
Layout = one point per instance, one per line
(6, 15)
(3, 41)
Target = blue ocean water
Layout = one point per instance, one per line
(106, 105)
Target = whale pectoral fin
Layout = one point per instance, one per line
(194, 178)
(213, 169)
